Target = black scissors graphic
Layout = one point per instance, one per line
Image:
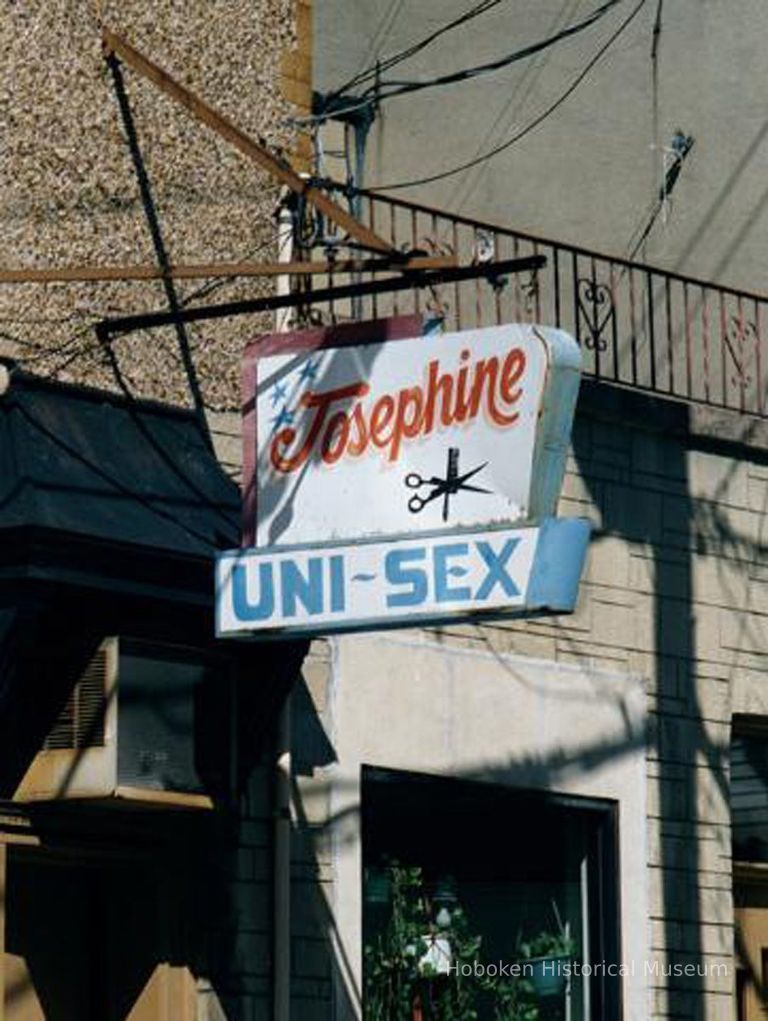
(447, 487)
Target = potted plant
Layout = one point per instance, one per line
(413, 965)
(546, 956)
(515, 1000)
(408, 975)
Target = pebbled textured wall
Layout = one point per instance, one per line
(70, 196)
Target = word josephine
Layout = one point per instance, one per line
(490, 385)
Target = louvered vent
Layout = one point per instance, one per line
(81, 722)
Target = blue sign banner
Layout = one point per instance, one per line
(427, 579)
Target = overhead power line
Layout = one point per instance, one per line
(388, 90)
(518, 136)
(334, 103)
(398, 58)
(519, 94)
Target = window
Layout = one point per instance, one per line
(749, 834)
(749, 789)
(528, 869)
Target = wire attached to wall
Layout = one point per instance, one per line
(518, 136)
(376, 69)
(380, 91)
(517, 102)
(655, 47)
(388, 90)
(675, 155)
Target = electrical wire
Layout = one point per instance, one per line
(380, 91)
(119, 486)
(529, 127)
(44, 352)
(682, 145)
(214, 285)
(45, 320)
(20, 341)
(515, 104)
(655, 117)
(92, 348)
(380, 35)
(388, 90)
(410, 51)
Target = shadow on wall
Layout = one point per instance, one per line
(633, 458)
(123, 907)
(632, 454)
(414, 830)
(200, 897)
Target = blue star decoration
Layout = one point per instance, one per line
(285, 417)
(309, 370)
(279, 393)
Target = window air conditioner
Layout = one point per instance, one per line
(144, 722)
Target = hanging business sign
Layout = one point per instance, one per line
(395, 477)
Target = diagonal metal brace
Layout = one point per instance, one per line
(116, 46)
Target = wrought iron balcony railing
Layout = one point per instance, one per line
(638, 326)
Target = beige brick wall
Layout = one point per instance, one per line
(671, 593)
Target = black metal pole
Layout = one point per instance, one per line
(164, 262)
(149, 320)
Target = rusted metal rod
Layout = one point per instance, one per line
(255, 151)
(214, 270)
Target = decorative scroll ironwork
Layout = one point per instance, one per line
(640, 326)
(739, 331)
(530, 289)
(597, 310)
(484, 246)
(437, 307)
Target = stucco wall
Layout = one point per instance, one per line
(70, 198)
(590, 173)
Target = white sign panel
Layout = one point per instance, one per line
(405, 581)
(407, 436)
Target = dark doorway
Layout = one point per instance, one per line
(92, 943)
